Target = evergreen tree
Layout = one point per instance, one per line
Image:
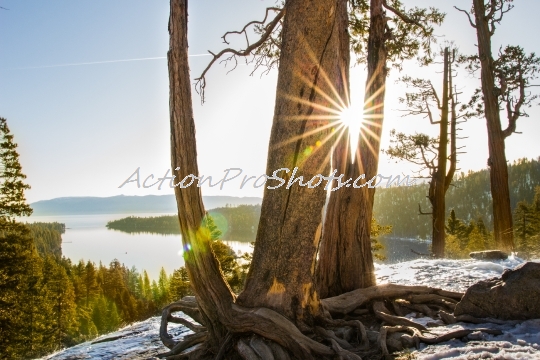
(59, 305)
(476, 241)
(179, 284)
(19, 276)
(90, 283)
(526, 222)
(147, 288)
(163, 286)
(12, 200)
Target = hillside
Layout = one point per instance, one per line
(469, 195)
(128, 204)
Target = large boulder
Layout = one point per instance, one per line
(513, 296)
(489, 255)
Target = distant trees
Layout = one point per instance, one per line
(505, 83)
(463, 238)
(237, 223)
(398, 206)
(527, 226)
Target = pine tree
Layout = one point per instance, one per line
(179, 284)
(12, 200)
(147, 289)
(59, 305)
(90, 283)
(163, 285)
(525, 226)
(476, 241)
(19, 275)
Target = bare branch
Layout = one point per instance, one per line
(435, 95)
(255, 22)
(468, 15)
(420, 212)
(201, 80)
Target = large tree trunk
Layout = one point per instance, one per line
(345, 258)
(314, 57)
(502, 211)
(314, 61)
(439, 178)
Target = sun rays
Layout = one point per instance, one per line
(328, 114)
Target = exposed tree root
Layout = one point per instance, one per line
(261, 333)
(348, 302)
(382, 313)
(186, 343)
(418, 337)
(342, 353)
(186, 306)
(451, 319)
(361, 330)
(245, 351)
(194, 353)
(224, 345)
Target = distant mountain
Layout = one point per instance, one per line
(128, 204)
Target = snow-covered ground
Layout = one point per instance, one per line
(521, 341)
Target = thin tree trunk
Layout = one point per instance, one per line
(204, 272)
(502, 211)
(439, 193)
(345, 258)
(314, 60)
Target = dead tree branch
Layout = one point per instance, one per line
(200, 83)
(468, 16)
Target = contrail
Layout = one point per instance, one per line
(98, 62)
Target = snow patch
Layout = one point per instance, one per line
(141, 340)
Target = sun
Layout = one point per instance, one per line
(352, 118)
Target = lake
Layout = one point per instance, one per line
(87, 238)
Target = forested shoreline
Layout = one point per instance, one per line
(237, 223)
(469, 196)
(56, 303)
(396, 206)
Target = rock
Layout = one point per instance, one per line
(489, 255)
(513, 296)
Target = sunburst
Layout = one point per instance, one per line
(340, 115)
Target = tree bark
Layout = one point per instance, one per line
(439, 191)
(314, 61)
(498, 169)
(206, 278)
(345, 258)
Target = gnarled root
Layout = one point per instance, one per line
(451, 319)
(348, 302)
(342, 353)
(384, 314)
(186, 306)
(361, 330)
(417, 336)
(261, 333)
(257, 348)
(188, 342)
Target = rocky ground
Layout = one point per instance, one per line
(518, 341)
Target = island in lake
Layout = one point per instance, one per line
(235, 223)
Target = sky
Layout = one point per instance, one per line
(84, 88)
